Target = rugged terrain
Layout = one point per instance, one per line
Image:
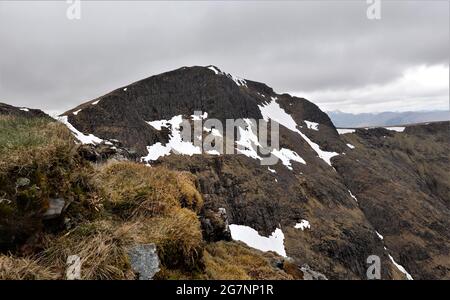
(371, 192)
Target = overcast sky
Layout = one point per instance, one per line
(326, 51)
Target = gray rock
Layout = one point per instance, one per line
(22, 182)
(144, 261)
(309, 274)
(55, 208)
(215, 225)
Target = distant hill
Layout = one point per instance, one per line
(342, 119)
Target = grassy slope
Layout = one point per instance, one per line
(110, 208)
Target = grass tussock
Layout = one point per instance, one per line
(24, 141)
(234, 261)
(101, 245)
(12, 268)
(134, 190)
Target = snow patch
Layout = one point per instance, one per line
(304, 224)
(251, 237)
(274, 112)
(175, 145)
(199, 117)
(215, 70)
(77, 112)
(239, 81)
(213, 152)
(350, 146)
(271, 170)
(24, 109)
(401, 268)
(84, 139)
(398, 129)
(249, 142)
(312, 125)
(345, 130)
(96, 102)
(286, 155)
(156, 151)
(353, 196)
(158, 124)
(379, 235)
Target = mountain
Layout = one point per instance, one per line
(348, 120)
(330, 202)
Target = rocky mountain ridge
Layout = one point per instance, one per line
(371, 192)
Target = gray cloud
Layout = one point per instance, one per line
(50, 62)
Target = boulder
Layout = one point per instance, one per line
(55, 208)
(144, 261)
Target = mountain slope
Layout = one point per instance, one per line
(303, 187)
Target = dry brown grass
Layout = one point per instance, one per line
(12, 268)
(234, 261)
(134, 190)
(102, 247)
(178, 238)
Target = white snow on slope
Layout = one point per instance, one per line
(84, 139)
(215, 70)
(24, 109)
(274, 112)
(175, 145)
(398, 266)
(251, 237)
(286, 155)
(350, 146)
(212, 152)
(247, 144)
(249, 141)
(344, 130)
(271, 170)
(401, 268)
(156, 151)
(398, 129)
(158, 124)
(304, 224)
(379, 235)
(353, 196)
(96, 102)
(312, 125)
(199, 117)
(239, 81)
(76, 112)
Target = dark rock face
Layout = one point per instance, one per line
(409, 208)
(402, 183)
(10, 110)
(123, 113)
